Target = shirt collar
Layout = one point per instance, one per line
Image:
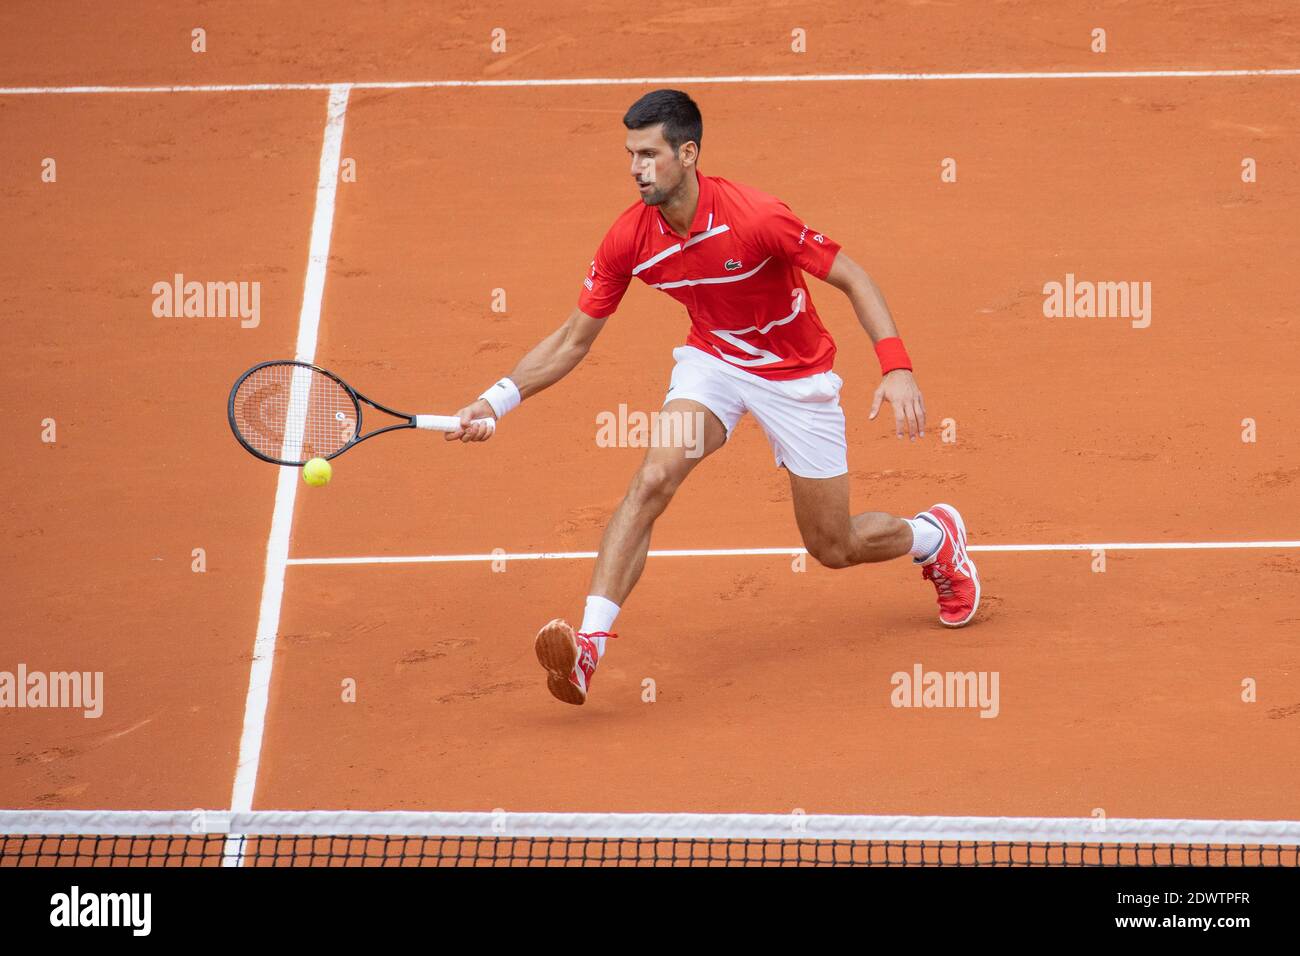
(703, 220)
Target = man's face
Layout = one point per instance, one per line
(657, 170)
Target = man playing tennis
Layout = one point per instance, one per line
(734, 257)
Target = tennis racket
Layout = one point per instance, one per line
(288, 413)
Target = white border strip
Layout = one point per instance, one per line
(655, 81)
(286, 489)
(739, 552)
(734, 826)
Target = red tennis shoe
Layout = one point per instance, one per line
(569, 658)
(950, 568)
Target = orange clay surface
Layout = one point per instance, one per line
(1119, 690)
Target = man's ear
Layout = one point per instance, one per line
(689, 153)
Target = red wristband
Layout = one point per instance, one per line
(892, 355)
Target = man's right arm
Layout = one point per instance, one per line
(545, 364)
(556, 355)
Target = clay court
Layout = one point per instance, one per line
(423, 570)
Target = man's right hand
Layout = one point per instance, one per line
(468, 432)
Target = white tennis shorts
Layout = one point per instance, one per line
(801, 417)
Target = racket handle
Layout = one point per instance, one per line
(450, 423)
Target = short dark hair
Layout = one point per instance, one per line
(677, 111)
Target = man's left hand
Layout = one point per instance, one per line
(899, 388)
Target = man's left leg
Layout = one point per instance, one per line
(805, 426)
(936, 539)
(838, 539)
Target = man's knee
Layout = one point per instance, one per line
(654, 485)
(829, 553)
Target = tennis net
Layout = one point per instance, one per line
(499, 838)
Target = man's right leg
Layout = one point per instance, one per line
(626, 540)
(624, 546)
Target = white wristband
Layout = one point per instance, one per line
(503, 397)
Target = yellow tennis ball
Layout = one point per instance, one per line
(317, 472)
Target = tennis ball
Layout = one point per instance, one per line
(317, 472)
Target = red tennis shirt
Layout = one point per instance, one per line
(739, 272)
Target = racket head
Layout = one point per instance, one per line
(288, 412)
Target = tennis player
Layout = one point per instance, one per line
(735, 258)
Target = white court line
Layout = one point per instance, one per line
(655, 81)
(286, 489)
(738, 552)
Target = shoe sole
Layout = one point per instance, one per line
(557, 651)
(955, 515)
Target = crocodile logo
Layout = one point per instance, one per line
(731, 265)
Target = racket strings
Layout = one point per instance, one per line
(293, 413)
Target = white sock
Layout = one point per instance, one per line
(926, 537)
(599, 615)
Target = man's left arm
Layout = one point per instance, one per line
(897, 386)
